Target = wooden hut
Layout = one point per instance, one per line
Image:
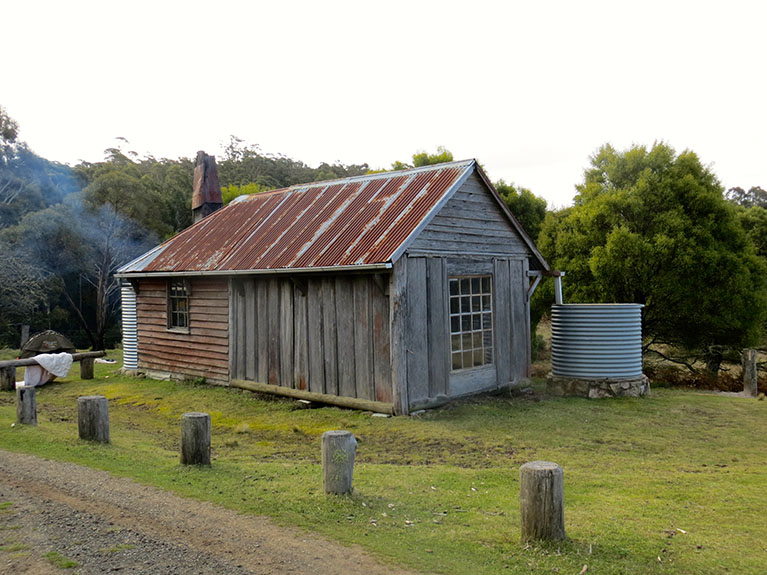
(393, 292)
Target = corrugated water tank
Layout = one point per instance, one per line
(130, 328)
(595, 341)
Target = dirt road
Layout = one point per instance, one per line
(114, 525)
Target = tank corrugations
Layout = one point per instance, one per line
(130, 329)
(596, 341)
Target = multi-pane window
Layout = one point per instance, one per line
(471, 321)
(178, 304)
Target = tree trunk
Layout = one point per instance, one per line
(713, 358)
(542, 502)
(79, 315)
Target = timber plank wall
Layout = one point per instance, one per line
(325, 334)
(204, 351)
(469, 236)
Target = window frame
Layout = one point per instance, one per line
(174, 311)
(472, 325)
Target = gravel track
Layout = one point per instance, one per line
(115, 525)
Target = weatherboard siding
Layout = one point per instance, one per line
(471, 222)
(204, 351)
(327, 335)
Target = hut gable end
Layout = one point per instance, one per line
(470, 223)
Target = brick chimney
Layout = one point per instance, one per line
(206, 198)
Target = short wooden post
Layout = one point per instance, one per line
(93, 418)
(195, 438)
(7, 378)
(86, 368)
(338, 451)
(24, 335)
(542, 502)
(26, 406)
(750, 373)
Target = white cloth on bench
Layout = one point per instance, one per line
(50, 366)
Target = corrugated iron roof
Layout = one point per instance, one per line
(360, 221)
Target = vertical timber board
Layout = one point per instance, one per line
(232, 331)
(315, 336)
(381, 346)
(301, 345)
(273, 345)
(251, 331)
(439, 352)
(417, 330)
(519, 330)
(397, 316)
(242, 348)
(330, 335)
(503, 355)
(345, 327)
(363, 338)
(286, 333)
(262, 325)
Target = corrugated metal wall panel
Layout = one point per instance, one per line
(130, 328)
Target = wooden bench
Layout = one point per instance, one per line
(8, 368)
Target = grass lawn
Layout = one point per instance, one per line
(672, 483)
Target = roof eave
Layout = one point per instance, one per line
(226, 273)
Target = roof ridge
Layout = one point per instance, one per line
(361, 177)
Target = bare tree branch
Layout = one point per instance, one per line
(674, 360)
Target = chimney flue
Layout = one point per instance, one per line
(206, 198)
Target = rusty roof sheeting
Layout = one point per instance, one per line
(358, 221)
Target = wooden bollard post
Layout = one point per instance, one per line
(86, 368)
(26, 406)
(195, 438)
(750, 373)
(93, 418)
(7, 378)
(338, 451)
(24, 335)
(542, 502)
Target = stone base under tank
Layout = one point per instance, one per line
(598, 388)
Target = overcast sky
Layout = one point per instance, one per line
(530, 89)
